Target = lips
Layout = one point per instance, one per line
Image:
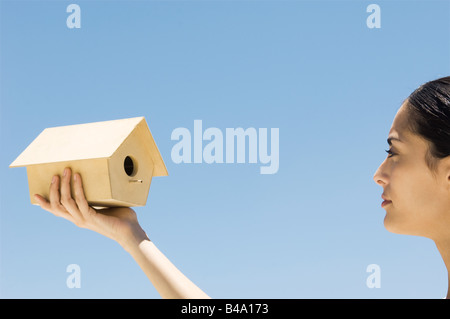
(386, 201)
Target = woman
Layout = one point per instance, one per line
(415, 177)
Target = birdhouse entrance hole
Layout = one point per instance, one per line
(128, 166)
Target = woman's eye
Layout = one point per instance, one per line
(390, 153)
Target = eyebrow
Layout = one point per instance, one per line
(390, 139)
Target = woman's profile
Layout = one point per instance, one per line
(415, 178)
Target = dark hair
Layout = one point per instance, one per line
(429, 110)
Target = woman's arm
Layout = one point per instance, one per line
(166, 278)
(121, 225)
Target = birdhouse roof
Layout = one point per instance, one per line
(86, 141)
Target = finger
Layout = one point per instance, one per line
(66, 194)
(45, 204)
(80, 198)
(55, 197)
(54, 205)
(42, 202)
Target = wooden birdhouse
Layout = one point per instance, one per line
(116, 159)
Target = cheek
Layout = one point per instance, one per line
(412, 185)
(414, 200)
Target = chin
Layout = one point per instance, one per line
(401, 227)
(391, 226)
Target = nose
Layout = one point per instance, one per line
(380, 177)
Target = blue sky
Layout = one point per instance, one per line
(313, 69)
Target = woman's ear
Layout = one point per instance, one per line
(446, 167)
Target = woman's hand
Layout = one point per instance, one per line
(119, 224)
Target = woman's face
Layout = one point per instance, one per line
(416, 199)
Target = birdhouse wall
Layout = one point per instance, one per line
(94, 174)
(131, 170)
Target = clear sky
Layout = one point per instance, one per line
(312, 69)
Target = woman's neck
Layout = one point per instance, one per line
(444, 249)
